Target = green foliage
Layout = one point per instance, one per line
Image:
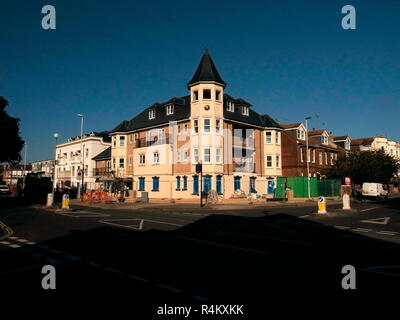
(365, 166)
(11, 142)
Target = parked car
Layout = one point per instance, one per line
(4, 190)
(372, 189)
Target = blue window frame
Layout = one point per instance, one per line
(196, 184)
(236, 183)
(184, 183)
(141, 184)
(207, 183)
(253, 185)
(219, 184)
(156, 184)
(178, 183)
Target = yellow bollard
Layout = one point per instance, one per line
(65, 201)
(322, 205)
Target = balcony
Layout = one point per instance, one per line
(157, 140)
(102, 172)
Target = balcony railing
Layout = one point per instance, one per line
(157, 140)
(102, 172)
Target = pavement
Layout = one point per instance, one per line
(138, 258)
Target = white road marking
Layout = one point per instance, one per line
(389, 233)
(31, 243)
(383, 220)
(22, 240)
(307, 215)
(113, 270)
(169, 288)
(223, 245)
(161, 222)
(369, 209)
(93, 263)
(341, 227)
(14, 246)
(199, 298)
(384, 267)
(138, 278)
(362, 230)
(5, 242)
(13, 238)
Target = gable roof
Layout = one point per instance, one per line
(104, 155)
(362, 141)
(317, 132)
(340, 138)
(289, 125)
(206, 71)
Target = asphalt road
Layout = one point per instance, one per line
(144, 259)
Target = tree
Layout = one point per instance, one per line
(365, 166)
(11, 142)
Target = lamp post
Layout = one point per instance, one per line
(308, 160)
(55, 136)
(82, 159)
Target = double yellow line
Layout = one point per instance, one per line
(7, 231)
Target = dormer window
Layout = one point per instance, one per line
(347, 144)
(324, 138)
(206, 94)
(231, 106)
(245, 110)
(169, 109)
(152, 114)
(301, 134)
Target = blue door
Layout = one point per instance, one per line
(196, 184)
(219, 184)
(271, 186)
(206, 184)
(141, 184)
(236, 183)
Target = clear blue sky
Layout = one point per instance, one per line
(110, 59)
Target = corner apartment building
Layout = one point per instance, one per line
(377, 143)
(159, 148)
(75, 155)
(322, 150)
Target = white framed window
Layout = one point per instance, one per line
(142, 158)
(178, 155)
(218, 155)
(268, 137)
(169, 109)
(231, 106)
(152, 114)
(277, 137)
(217, 95)
(206, 125)
(179, 128)
(218, 126)
(185, 155)
(195, 155)
(195, 95)
(245, 110)
(326, 158)
(269, 161)
(301, 155)
(206, 94)
(121, 141)
(320, 157)
(206, 155)
(278, 161)
(309, 155)
(156, 157)
(313, 156)
(196, 126)
(185, 128)
(332, 159)
(324, 139)
(149, 135)
(86, 152)
(301, 134)
(121, 163)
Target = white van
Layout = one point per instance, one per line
(371, 189)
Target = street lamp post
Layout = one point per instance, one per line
(308, 159)
(82, 159)
(55, 136)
